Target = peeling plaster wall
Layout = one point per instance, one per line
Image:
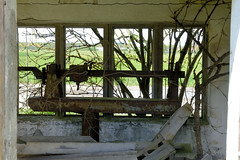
(111, 129)
(146, 12)
(49, 126)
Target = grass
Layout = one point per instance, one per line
(43, 57)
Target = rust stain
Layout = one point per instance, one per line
(105, 105)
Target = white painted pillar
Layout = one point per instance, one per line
(8, 80)
(234, 85)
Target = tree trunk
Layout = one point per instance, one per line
(197, 125)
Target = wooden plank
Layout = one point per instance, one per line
(161, 153)
(141, 145)
(150, 146)
(104, 105)
(130, 155)
(56, 139)
(46, 148)
(171, 127)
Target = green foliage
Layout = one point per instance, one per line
(26, 110)
(132, 51)
(74, 59)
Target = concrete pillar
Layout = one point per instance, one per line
(8, 80)
(234, 85)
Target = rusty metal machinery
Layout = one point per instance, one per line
(81, 73)
(54, 100)
(54, 76)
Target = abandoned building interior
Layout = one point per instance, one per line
(119, 79)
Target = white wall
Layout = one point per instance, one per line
(147, 11)
(234, 87)
(103, 11)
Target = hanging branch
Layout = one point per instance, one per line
(213, 72)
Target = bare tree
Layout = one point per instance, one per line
(207, 74)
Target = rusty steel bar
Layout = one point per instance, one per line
(108, 73)
(37, 73)
(116, 73)
(104, 105)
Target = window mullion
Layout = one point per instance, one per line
(108, 59)
(60, 51)
(157, 61)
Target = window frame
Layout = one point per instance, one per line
(108, 51)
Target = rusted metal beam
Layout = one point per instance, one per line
(114, 73)
(104, 105)
(37, 73)
(107, 73)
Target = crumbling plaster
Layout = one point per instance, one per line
(147, 12)
(101, 11)
(112, 129)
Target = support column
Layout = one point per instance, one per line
(157, 61)
(108, 60)
(234, 85)
(60, 57)
(60, 46)
(8, 80)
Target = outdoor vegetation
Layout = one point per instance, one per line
(83, 45)
(132, 51)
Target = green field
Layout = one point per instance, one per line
(43, 57)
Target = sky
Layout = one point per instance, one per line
(28, 35)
